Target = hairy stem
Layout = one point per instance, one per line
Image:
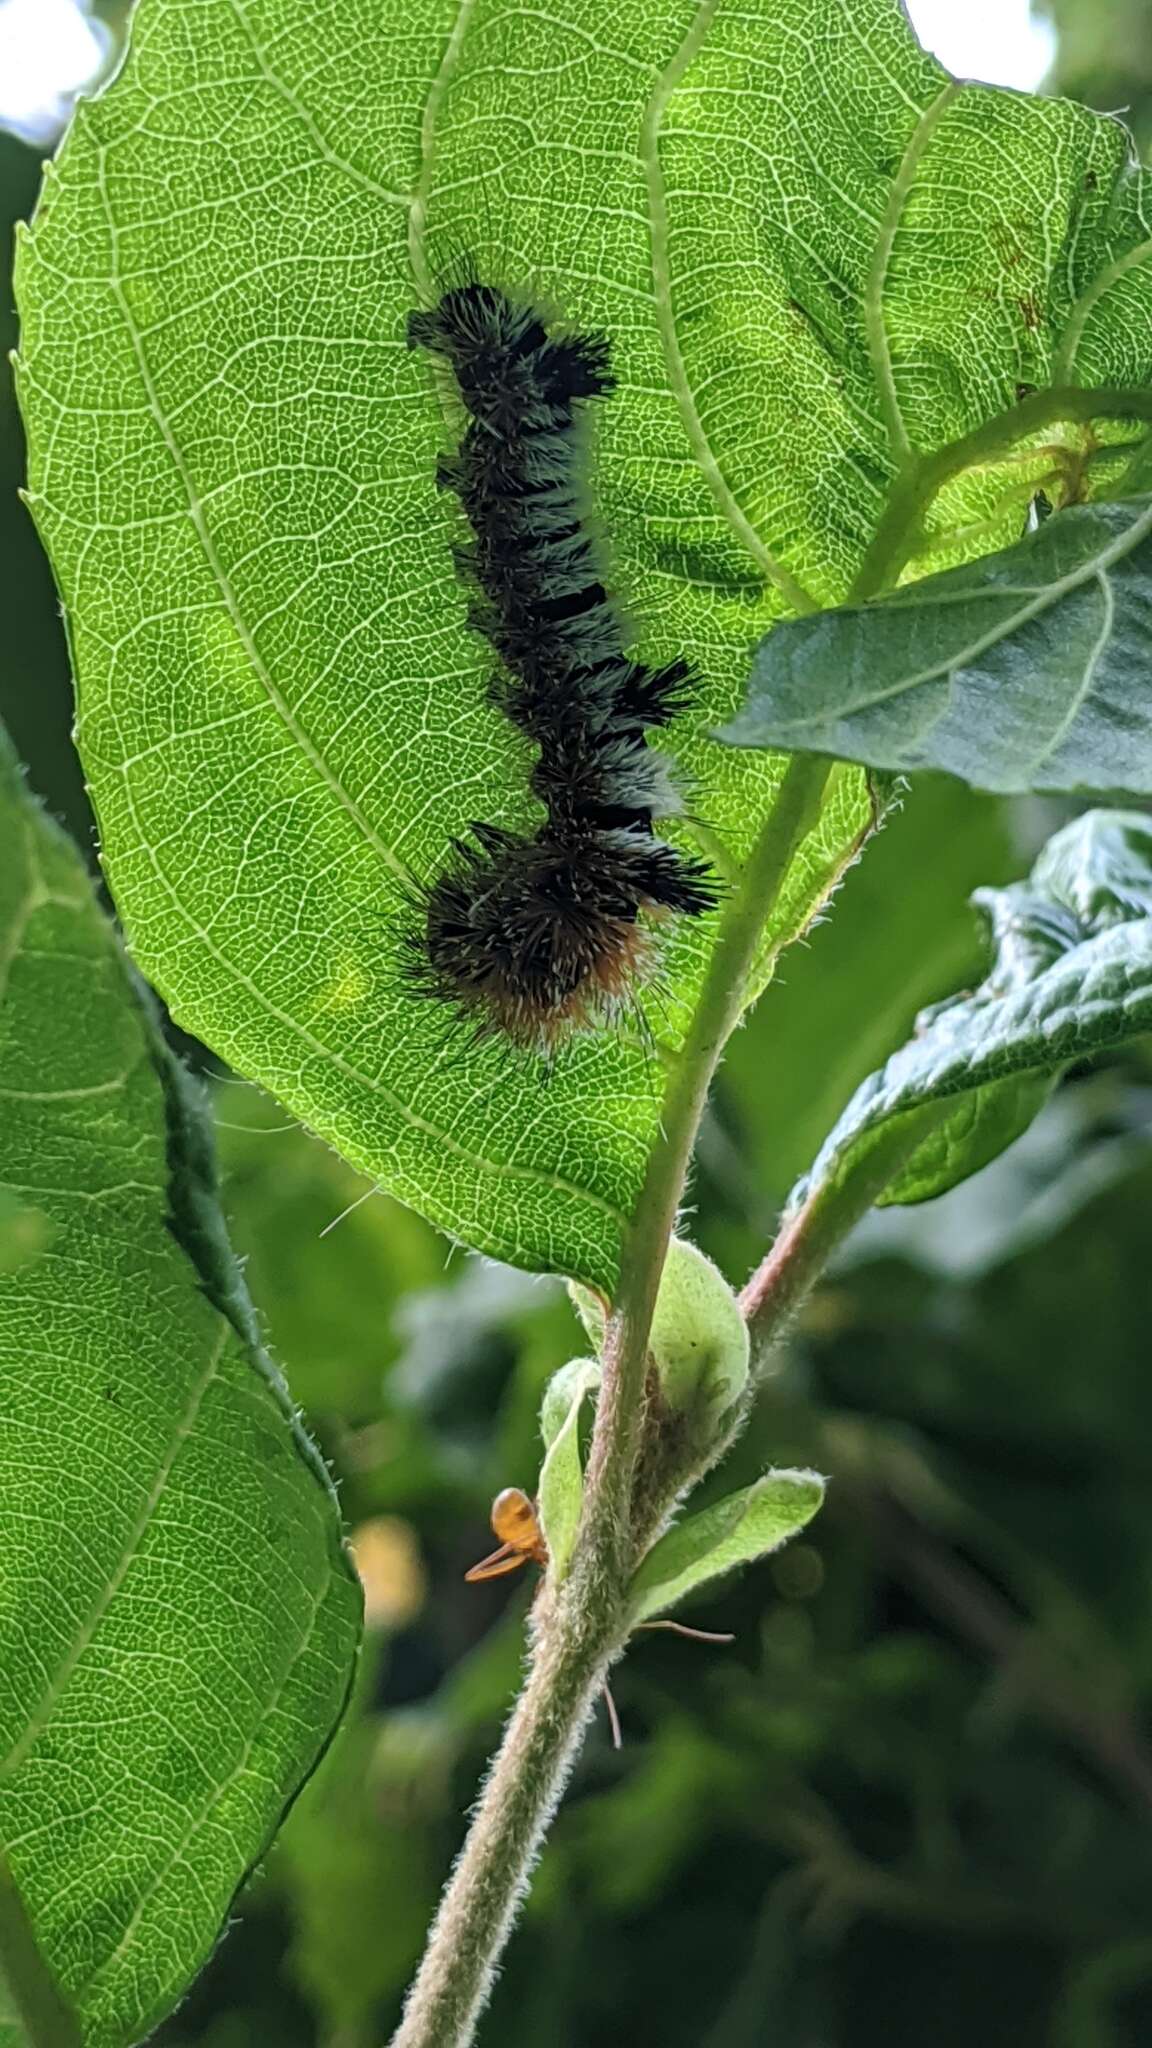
(582, 1628)
(810, 1235)
(45, 2015)
(523, 1790)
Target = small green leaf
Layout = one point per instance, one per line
(560, 1490)
(590, 1308)
(1024, 670)
(698, 1340)
(747, 1525)
(1098, 869)
(1071, 977)
(569, 1384)
(178, 1619)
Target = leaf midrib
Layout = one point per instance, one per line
(872, 307)
(798, 598)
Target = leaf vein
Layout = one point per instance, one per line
(42, 1713)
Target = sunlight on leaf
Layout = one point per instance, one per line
(810, 251)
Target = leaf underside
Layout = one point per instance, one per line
(806, 246)
(1071, 979)
(735, 1531)
(1027, 670)
(177, 1617)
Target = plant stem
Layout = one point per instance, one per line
(582, 1626)
(47, 2018)
(811, 1233)
(620, 1408)
(808, 1237)
(516, 1806)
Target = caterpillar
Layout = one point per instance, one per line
(536, 937)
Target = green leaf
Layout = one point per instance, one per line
(283, 714)
(561, 1486)
(1071, 977)
(32, 2009)
(747, 1525)
(177, 1615)
(698, 1338)
(569, 1384)
(1025, 670)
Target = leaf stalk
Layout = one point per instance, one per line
(808, 1237)
(923, 477)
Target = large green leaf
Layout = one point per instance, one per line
(809, 248)
(1026, 670)
(177, 1616)
(1072, 977)
(33, 643)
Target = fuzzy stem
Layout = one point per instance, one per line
(516, 1805)
(810, 1235)
(45, 2015)
(582, 1631)
(584, 1628)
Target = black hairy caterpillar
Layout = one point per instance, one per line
(534, 937)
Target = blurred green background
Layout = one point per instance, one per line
(912, 1803)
